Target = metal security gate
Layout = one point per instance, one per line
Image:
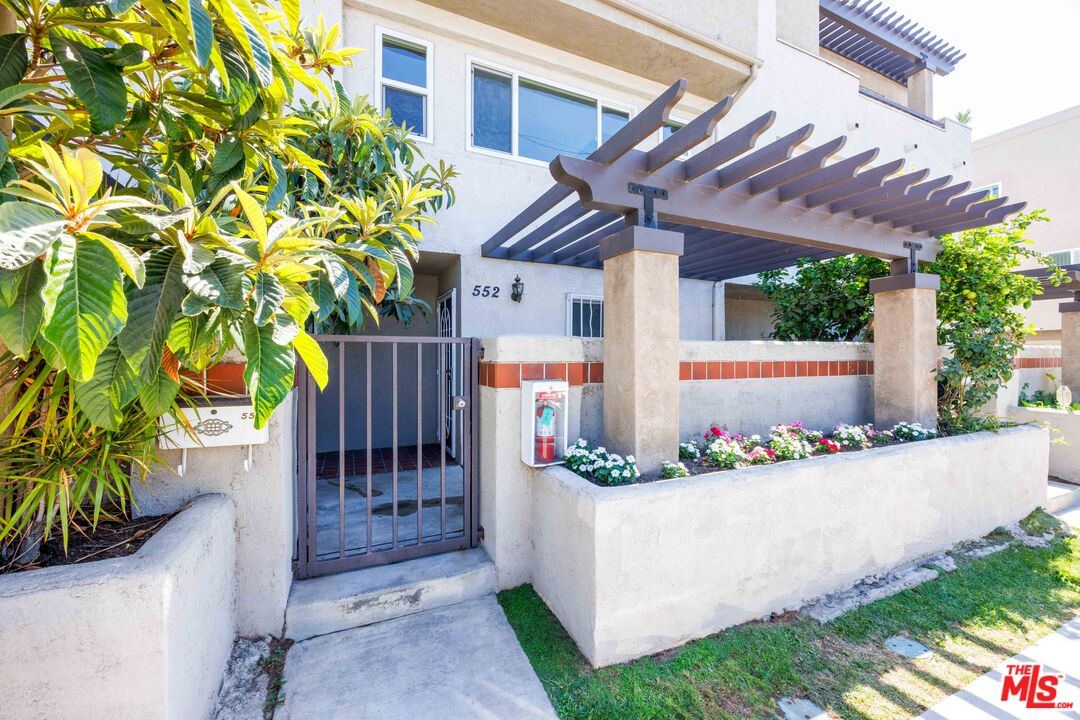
(387, 452)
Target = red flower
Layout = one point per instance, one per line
(715, 431)
(827, 445)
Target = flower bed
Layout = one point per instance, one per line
(636, 569)
(723, 450)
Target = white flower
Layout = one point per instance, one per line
(631, 458)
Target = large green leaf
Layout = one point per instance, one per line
(269, 370)
(269, 294)
(26, 231)
(157, 395)
(202, 29)
(13, 59)
(95, 80)
(21, 321)
(152, 310)
(105, 395)
(85, 303)
(220, 284)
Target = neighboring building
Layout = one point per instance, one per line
(498, 89)
(1038, 161)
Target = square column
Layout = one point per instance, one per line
(641, 344)
(1070, 345)
(905, 349)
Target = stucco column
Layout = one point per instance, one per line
(1070, 345)
(641, 344)
(905, 349)
(920, 88)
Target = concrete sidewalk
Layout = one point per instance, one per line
(1057, 653)
(451, 663)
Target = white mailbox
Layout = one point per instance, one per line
(544, 410)
(218, 422)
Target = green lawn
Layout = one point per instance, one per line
(985, 611)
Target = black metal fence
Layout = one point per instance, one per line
(387, 452)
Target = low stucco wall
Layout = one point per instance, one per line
(1064, 428)
(265, 516)
(140, 638)
(637, 569)
(756, 402)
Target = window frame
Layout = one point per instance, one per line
(987, 186)
(473, 62)
(427, 92)
(583, 297)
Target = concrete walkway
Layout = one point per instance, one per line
(1057, 653)
(457, 662)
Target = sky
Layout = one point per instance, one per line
(1023, 58)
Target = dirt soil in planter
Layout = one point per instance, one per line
(109, 540)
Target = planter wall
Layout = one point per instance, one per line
(265, 515)
(1064, 427)
(144, 637)
(634, 570)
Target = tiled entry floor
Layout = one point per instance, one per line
(327, 503)
(382, 460)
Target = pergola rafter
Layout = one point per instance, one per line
(742, 207)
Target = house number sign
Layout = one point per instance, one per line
(487, 291)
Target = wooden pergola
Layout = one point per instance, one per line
(734, 208)
(742, 208)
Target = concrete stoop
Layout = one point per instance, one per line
(1061, 496)
(363, 597)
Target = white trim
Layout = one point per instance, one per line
(581, 297)
(472, 62)
(427, 92)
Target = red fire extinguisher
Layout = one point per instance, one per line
(545, 432)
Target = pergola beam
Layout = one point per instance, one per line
(737, 207)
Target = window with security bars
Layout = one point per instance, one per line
(585, 316)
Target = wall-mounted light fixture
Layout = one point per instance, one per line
(517, 289)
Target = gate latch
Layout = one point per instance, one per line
(459, 403)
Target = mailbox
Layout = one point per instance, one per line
(217, 422)
(544, 410)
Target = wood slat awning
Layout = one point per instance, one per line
(872, 34)
(744, 207)
(1069, 289)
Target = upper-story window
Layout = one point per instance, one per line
(404, 77)
(536, 120)
(994, 188)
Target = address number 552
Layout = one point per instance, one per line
(485, 291)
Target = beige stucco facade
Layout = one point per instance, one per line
(1038, 161)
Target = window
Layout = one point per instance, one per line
(531, 119)
(994, 188)
(585, 316)
(1065, 257)
(404, 71)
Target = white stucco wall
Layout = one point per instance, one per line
(145, 637)
(634, 570)
(1064, 428)
(753, 405)
(265, 516)
(797, 83)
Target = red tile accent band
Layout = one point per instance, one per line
(511, 374)
(1031, 363)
